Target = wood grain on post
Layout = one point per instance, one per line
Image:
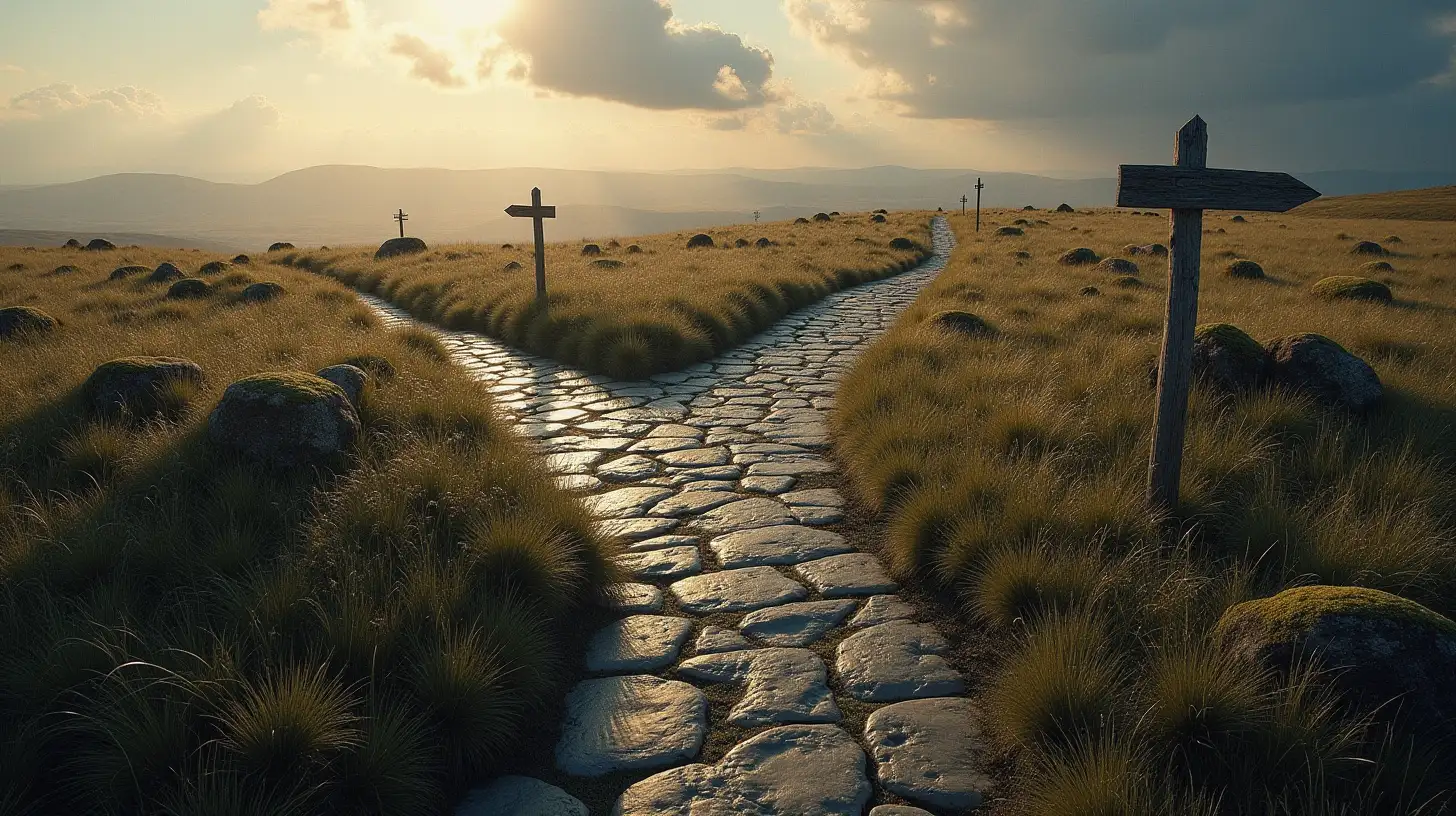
(1152, 185)
(1175, 366)
(540, 231)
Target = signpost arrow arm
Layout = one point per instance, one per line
(1175, 368)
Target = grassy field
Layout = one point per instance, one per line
(1009, 466)
(1432, 204)
(183, 633)
(632, 312)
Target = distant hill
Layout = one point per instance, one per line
(51, 238)
(1430, 204)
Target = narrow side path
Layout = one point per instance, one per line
(745, 596)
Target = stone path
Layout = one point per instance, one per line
(701, 472)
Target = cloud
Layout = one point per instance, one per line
(319, 16)
(787, 114)
(1013, 59)
(7, 68)
(634, 52)
(426, 62)
(61, 131)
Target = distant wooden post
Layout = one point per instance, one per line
(536, 212)
(979, 188)
(1188, 188)
(755, 216)
(964, 201)
(401, 217)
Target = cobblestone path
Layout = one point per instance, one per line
(739, 575)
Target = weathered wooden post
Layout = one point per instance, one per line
(401, 217)
(536, 212)
(979, 188)
(964, 201)
(1188, 188)
(755, 216)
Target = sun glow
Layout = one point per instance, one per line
(473, 13)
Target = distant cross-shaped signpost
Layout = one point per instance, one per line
(537, 213)
(964, 202)
(979, 188)
(401, 217)
(1188, 188)
(755, 216)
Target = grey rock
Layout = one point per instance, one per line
(520, 796)
(667, 564)
(784, 544)
(705, 457)
(783, 685)
(798, 624)
(350, 379)
(578, 462)
(898, 810)
(640, 643)
(665, 444)
(636, 529)
(926, 751)
(663, 542)
(627, 469)
(715, 639)
(632, 598)
(626, 501)
(1322, 368)
(132, 386)
(746, 514)
(817, 516)
(693, 502)
(882, 609)
(630, 723)
(578, 483)
(793, 770)
(285, 420)
(846, 576)
(768, 485)
(736, 590)
(900, 660)
(820, 497)
(775, 468)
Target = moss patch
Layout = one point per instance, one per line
(1297, 610)
(1350, 287)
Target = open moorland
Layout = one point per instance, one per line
(643, 306)
(230, 586)
(1002, 428)
(1431, 204)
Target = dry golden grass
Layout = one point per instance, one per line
(1011, 467)
(1431, 204)
(629, 314)
(183, 633)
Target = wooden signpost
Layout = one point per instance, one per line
(1188, 188)
(536, 212)
(964, 201)
(979, 188)
(401, 217)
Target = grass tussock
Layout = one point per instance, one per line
(183, 633)
(1011, 466)
(655, 305)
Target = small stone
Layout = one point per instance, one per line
(666, 564)
(520, 796)
(641, 643)
(666, 444)
(783, 685)
(663, 542)
(848, 575)
(693, 502)
(822, 497)
(817, 516)
(630, 724)
(882, 609)
(898, 810)
(578, 483)
(627, 469)
(792, 770)
(632, 598)
(736, 590)
(672, 431)
(349, 378)
(789, 468)
(784, 544)
(896, 661)
(705, 457)
(798, 624)
(746, 514)
(636, 529)
(769, 485)
(627, 501)
(578, 462)
(925, 751)
(716, 639)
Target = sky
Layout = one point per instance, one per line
(242, 90)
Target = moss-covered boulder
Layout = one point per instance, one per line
(214, 268)
(801, 220)
(241, 260)
(281, 246)
(65, 269)
(1090, 291)
(700, 241)
(903, 244)
(1117, 266)
(1375, 267)
(72, 243)
(1021, 255)
(285, 420)
(1081, 256)
(878, 219)
(1384, 653)
(1127, 282)
(608, 263)
(1157, 250)
(962, 323)
(1350, 287)
(742, 243)
(591, 251)
(1010, 232)
(166, 273)
(380, 368)
(1065, 208)
(634, 250)
(822, 217)
(350, 379)
(1227, 358)
(1367, 248)
(1244, 269)
(16, 321)
(396, 247)
(189, 288)
(1322, 368)
(259, 292)
(142, 387)
(99, 245)
(513, 266)
(124, 272)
